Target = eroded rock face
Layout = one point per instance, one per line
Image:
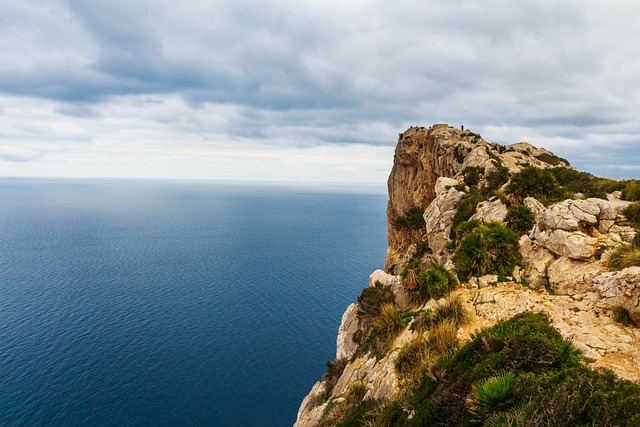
(422, 156)
(490, 211)
(439, 214)
(345, 347)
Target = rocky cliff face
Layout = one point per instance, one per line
(562, 271)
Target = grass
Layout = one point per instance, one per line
(453, 309)
(624, 257)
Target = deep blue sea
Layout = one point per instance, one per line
(154, 303)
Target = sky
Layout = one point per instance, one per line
(302, 90)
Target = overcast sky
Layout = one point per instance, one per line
(309, 90)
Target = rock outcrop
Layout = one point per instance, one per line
(563, 272)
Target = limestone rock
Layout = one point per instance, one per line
(491, 211)
(403, 297)
(345, 347)
(537, 259)
(439, 214)
(533, 204)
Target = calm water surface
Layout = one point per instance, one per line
(166, 303)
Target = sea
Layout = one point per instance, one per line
(175, 303)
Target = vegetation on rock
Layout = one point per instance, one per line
(519, 372)
(435, 282)
(489, 248)
(413, 218)
(534, 182)
(632, 212)
(520, 219)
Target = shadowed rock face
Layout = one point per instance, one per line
(422, 156)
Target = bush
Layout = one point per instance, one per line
(371, 300)
(465, 210)
(631, 191)
(492, 395)
(551, 159)
(435, 282)
(472, 175)
(413, 218)
(487, 248)
(497, 177)
(632, 212)
(519, 372)
(520, 219)
(333, 373)
(534, 182)
(413, 356)
(626, 255)
(443, 337)
(578, 182)
(388, 323)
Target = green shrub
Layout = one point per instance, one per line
(520, 219)
(333, 373)
(413, 218)
(631, 191)
(632, 212)
(472, 175)
(551, 159)
(435, 282)
(497, 177)
(578, 182)
(465, 210)
(487, 248)
(491, 395)
(521, 372)
(534, 182)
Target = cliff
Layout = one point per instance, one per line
(486, 232)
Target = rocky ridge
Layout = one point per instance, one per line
(563, 255)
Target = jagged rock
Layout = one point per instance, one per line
(574, 245)
(309, 413)
(403, 297)
(439, 214)
(345, 347)
(537, 259)
(421, 157)
(570, 277)
(491, 211)
(620, 288)
(533, 204)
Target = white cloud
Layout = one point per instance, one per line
(92, 85)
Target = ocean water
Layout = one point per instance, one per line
(174, 303)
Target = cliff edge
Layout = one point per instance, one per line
(487, 243)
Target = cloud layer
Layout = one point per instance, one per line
(308, 90)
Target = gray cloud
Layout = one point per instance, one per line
(304, 74)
